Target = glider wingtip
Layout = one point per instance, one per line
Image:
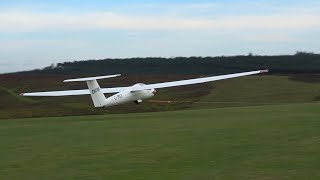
(21, 94)
(264, 71)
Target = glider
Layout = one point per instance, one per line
(135, 93)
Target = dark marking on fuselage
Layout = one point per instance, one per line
(95, 90)
(118, 96)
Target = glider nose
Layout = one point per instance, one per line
(154, 92)
(264, 71)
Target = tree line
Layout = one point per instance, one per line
(301, 62)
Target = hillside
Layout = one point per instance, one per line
(292, 79)
(246, 91)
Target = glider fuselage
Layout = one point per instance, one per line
(129, 96)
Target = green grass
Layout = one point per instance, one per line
(260, 90)
(257, 142)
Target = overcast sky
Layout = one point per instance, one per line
(36, 33)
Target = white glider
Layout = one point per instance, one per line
(135, 93)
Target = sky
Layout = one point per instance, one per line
(37, 33)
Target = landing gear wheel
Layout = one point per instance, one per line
(138, 101)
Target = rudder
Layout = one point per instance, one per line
(98, 98)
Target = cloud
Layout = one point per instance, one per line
(171, 6)
(271, 37)
(202, 5)
(13, 21)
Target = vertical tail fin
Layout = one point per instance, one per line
(98, 98)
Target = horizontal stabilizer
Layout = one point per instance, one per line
(91, 78)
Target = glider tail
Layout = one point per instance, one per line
(98, 98)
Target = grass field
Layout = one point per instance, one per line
(254, 142)
(261, 90)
